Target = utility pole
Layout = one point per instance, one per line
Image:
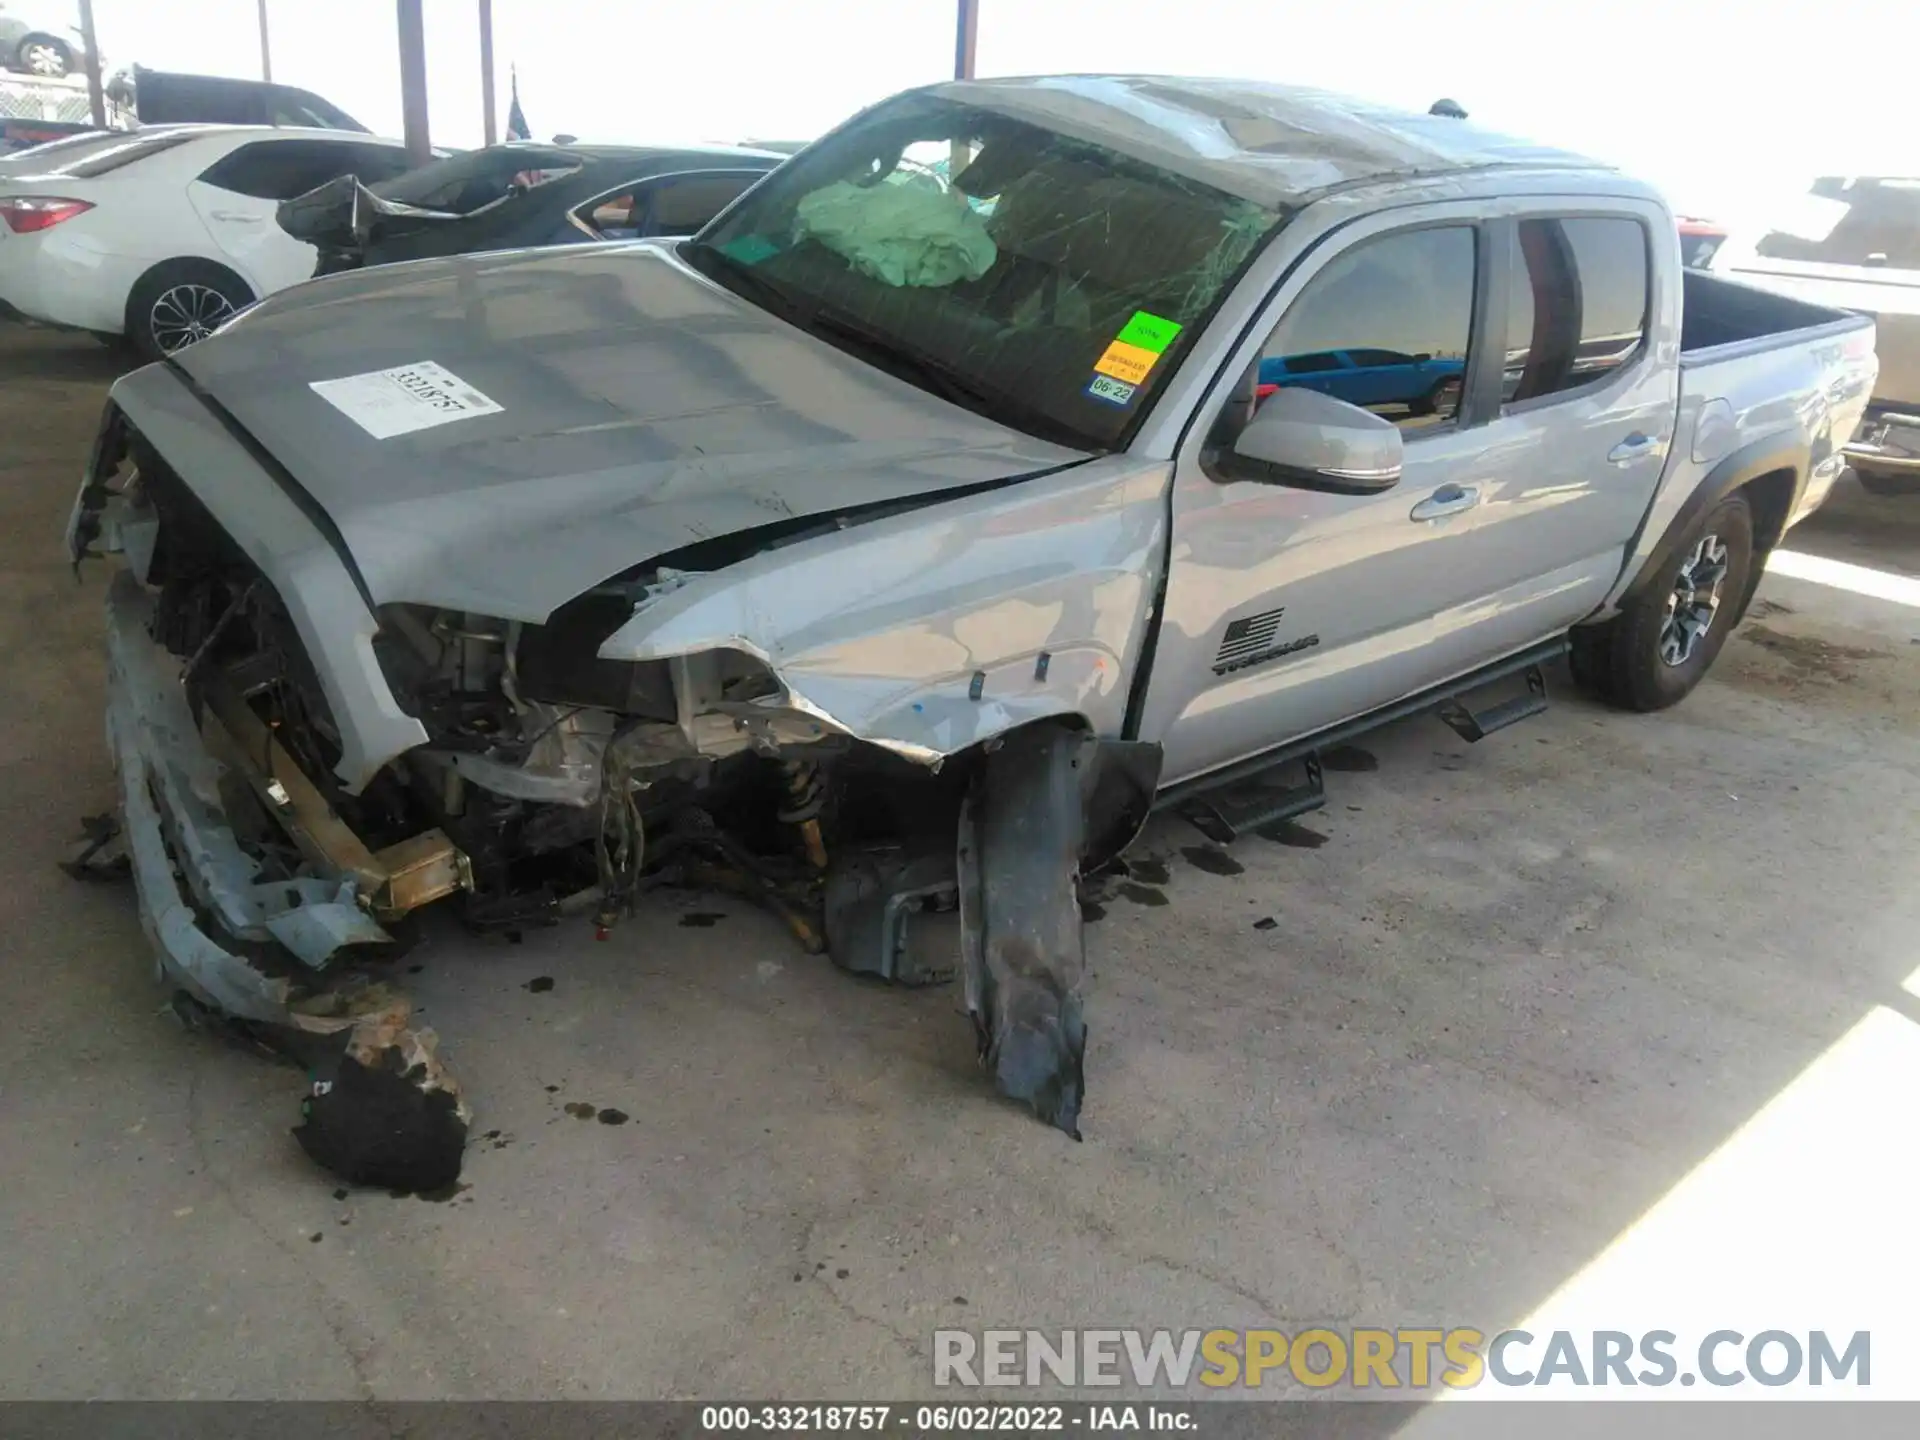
(413, 81)
(266, 50)
(966, 38)
(486, 71)
(96, 96)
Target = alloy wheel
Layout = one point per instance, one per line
(1695, 600)
(44, 59)
(186, 313)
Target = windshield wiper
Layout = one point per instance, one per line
(943, 380)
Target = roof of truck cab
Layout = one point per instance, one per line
(1277, 145)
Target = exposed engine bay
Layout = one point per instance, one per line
(560, 787)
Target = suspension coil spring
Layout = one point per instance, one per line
(806, 793)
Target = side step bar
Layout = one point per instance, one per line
(1474, 726)
(1223, 818)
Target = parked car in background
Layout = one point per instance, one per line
(164, 97)
(1854, 242)
(18, 134)
(1417, 384)
(518, 195)
(160, 235)
(1700, 241)
(38, 37)
(896, 556)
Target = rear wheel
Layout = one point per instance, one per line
(180, 302)
(1665, 639)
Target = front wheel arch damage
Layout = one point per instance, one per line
(1045, 803)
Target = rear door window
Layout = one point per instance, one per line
(282, 169)
(1576, 303)
(1384, 326)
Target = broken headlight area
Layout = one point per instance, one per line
(553, 785)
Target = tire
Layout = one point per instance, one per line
(1895, 484)
(43, 55)
(1443, 400)
(1646, 657)
(181, 301)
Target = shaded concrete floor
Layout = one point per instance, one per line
(1518, 993)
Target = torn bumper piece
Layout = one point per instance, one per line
(194, 880)
(383, 1110)
(1048, 802)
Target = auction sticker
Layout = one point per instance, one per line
(1114, 392)
(386, 403)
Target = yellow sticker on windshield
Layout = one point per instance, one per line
(1128, 363)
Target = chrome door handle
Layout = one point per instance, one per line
(1447, 500)
(1631, 448)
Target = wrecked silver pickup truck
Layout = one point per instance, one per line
(1018, 458)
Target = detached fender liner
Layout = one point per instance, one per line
(1042, 794)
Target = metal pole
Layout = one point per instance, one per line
(266, 50)
(966, 38)
(413, 81)
(486, 71)
(96, 96)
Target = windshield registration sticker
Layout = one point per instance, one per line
(1149, 332)
(1114, 392)
(1128, 363)
(386, 403)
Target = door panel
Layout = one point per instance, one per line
(246, 231)
(1289, 610)
(238, 198)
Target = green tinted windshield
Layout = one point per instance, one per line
(1047, 281)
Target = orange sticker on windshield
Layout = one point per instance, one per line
(1124, 362)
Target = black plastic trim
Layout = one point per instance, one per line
(1742, 467)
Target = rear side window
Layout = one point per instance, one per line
(105, 161)
(282, 169)
(1404, 302)
(287, 106)
(1576, 304)
(675, 205)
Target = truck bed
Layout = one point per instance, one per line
(1721, 318)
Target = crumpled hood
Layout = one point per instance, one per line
(641, 408)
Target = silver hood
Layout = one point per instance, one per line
(641, 408)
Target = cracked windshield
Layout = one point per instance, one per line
(1047, 282)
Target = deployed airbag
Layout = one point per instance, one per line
(909, 234)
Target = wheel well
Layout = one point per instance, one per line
(53, 40)
(1769, 497)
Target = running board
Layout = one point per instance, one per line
(1225, 820)
(1473, 726)
(1200, 799)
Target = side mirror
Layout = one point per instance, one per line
(1305, 438)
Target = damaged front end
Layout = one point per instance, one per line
(281, 857)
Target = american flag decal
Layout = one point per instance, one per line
(1248, 636)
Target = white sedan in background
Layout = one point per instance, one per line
(161, 234)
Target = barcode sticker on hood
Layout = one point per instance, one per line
(385, 403)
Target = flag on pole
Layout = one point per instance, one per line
(516, 118)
